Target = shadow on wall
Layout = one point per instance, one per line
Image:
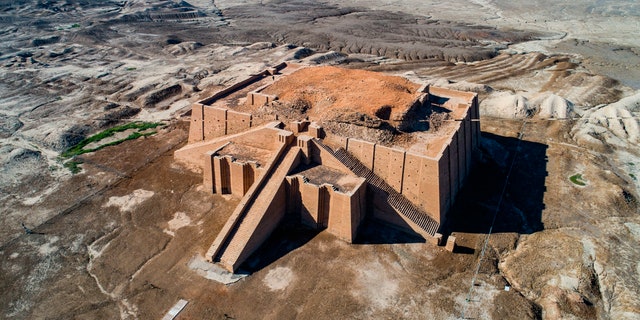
(522, 205)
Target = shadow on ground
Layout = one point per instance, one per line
(288, 237)
(291, 235)
(522, 203)
(376, 232)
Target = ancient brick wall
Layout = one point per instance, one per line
(462, 156)
(258, 213)
(444, 184)
(475, 124)
(421, 183)
(208, 171)
(311, 206)
(237, 122)
(323, 157)
(242, 177)
(453, 165)
(358, 208)
(346, 211)
(389, 165)
(221, 174)
(323, 207)
(196, 127)
(362, 150)
(429, 183)
(259, 99)
(468, 143)
(340, 215)
(215, 122)
(233, 88)
(193, 154)
(269, 221)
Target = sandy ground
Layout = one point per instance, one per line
(125, 238)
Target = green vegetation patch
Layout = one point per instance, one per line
(140, 127)
(73, 166)
(577, 179)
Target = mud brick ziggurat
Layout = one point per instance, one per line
(294, 167)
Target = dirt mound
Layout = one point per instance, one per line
(332, 91)
(554, 106)
(184, 48)
(614, 124)
(9, 125)
(506, 105)
(574, 291)
(20, 165)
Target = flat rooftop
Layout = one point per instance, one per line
(245, 153)
(319, 174)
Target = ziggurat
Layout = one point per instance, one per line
(285, 141)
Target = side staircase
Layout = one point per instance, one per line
(397, 201)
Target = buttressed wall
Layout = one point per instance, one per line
(431, 182)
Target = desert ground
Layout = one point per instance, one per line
(548, 223)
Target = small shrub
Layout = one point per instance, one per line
(577, 179)
(73, 166)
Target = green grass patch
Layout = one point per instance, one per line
(73, 166)
(131, 68)
(577, 179)
(138, 126)
(633, 176)
(75, 25)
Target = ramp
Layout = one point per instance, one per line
(257, 216)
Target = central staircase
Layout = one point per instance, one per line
(397, 201)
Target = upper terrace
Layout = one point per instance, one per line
(349, 103)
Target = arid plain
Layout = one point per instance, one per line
(125, 236)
